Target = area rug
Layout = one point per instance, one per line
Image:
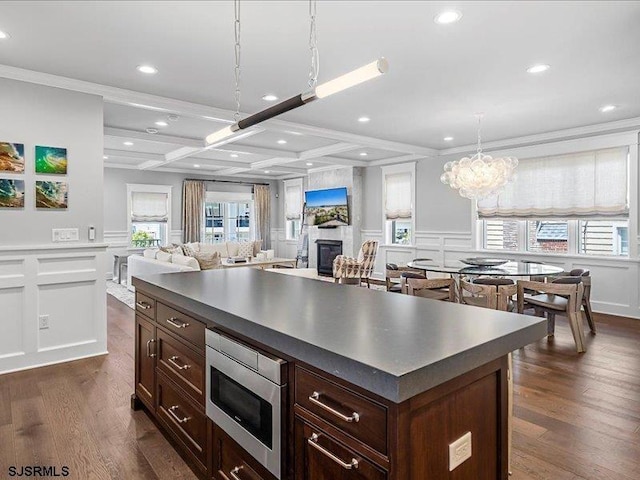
(120, 292)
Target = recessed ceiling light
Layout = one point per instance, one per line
(3, 35)
(173, 117)
(364, 119)
(161, 123)
(448, 16)
(195, 165)
(282, 142)
(538, 68)
(128, 144)
(148, 69)
(270, 97)
(234, 155)
(309, 164)
(152, 131)
(447, 139)
(105, 157)
(267, 171)
(363, 154)
(607, 108)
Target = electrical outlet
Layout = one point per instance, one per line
(459, 451)
(44, 321)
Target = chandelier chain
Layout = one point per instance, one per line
(236, 7)
(479, 115)
(314, 69)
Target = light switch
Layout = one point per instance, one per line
(65, 235)
(459, 451)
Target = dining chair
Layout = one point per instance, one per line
(559, 297)
(586, 297)
(435, 288)
(506, 290)
(478, 295)
(392, 278)
(407, 274)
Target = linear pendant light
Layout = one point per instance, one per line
(348, 80)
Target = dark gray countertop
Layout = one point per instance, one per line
(393, 345)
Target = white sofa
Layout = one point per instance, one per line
(147, 264)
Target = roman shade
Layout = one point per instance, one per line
(579, 185)
(397, 196)
(293, 201)
(149, 207)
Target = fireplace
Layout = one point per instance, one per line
(327, 251)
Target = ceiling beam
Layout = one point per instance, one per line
(149, 137)
(394, 160)
(147, 101)
(307, 155)
(159, 158)
(345, 162)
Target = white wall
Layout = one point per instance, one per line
(445, 230)
(38, 277)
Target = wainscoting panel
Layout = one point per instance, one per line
(65, 283)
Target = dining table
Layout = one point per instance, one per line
(511, 268)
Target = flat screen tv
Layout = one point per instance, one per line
(327, 208)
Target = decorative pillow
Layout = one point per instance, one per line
(163, 256)
(150, 253)
(257, 245)
(232, 249)
(245, 249)
(220, 248)
(172, 248)
(186, 261)
(190, 249)
(208, 261)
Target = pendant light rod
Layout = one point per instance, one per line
(356, 77)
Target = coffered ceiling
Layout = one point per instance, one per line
(440, 75)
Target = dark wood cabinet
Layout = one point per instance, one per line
(334, 430)
(232, 462)
(145, 365)
(319, 456)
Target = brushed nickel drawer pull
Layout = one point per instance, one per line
(233, 473)
(172, 321)
(315, 399)
(172, 361)
(313, 441)
(172, 412)
(143, 305)
(149, 354)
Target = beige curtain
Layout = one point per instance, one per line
(262, 202)
(193, 194)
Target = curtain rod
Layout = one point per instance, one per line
(226, 181)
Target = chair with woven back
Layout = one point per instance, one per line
(432, 288)
(562, 296)
(393, 277)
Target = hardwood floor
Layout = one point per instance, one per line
(576, 416)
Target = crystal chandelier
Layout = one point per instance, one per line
(480, 176)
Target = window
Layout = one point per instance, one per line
(228, 217)
(566, 204)
(149, 208)
(293, 208)
(398, 202)
(501, 235)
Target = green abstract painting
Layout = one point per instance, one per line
(51, 160)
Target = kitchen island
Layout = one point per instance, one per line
(378, 385)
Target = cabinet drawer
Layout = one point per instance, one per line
(352, 413)
(146, 305)
(232, 462)
(183, 418)
(188, 328)
(181, 364)
(321, 457)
